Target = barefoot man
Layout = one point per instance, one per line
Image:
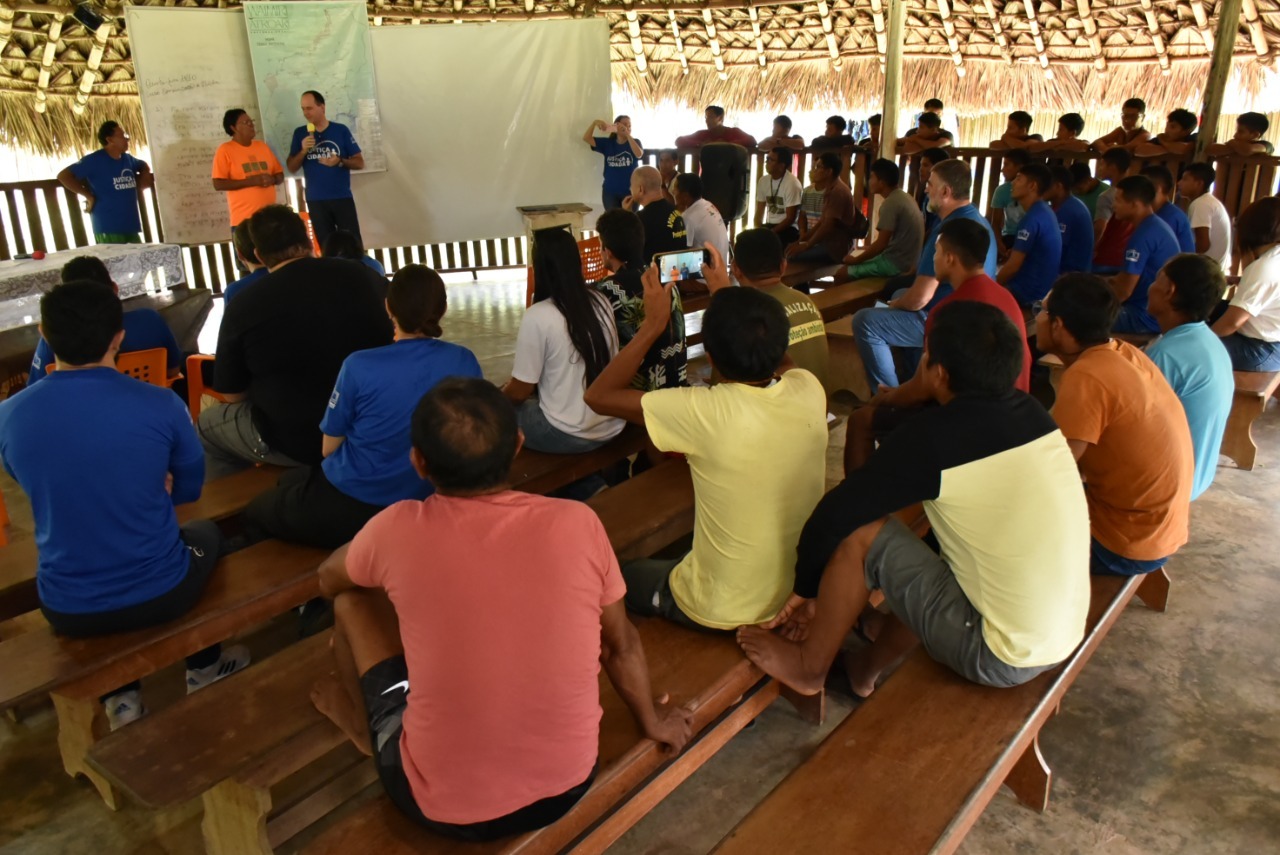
(1007, 597)
(470, 631)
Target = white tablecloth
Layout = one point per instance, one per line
(138, 268)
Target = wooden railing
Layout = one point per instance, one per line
(43, 215)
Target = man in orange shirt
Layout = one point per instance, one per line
(1125, 426)
(245, 168)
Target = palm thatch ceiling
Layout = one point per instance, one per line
(59, 79)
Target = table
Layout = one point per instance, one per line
(138, 268)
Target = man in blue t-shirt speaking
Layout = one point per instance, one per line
(109, 179)
(326, 152)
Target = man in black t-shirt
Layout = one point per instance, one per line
(664, 366)
(281, 345)
(664, 229)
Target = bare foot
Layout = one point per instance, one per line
(782, 659)
(856, 670)
(332, 700)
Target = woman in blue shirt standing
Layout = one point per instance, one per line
(622, 153)
(366, 464)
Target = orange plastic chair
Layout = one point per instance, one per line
(311, 233)
(149, 366)
(593, 270)
(196, 390)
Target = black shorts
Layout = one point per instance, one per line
(386, 696)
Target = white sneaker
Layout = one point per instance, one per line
(233, 659)
(124, 708)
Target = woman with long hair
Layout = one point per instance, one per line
(565, 340)
(1250, 326)
(366, 464)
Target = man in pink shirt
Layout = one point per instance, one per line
(961, 251)
(716, 132)
(497, 608)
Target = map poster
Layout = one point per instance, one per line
(297, 46)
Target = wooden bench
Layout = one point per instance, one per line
(914, 767)
(539, 472)
(219, 500)
(800, 272)
(247, 588)
(1253, 389)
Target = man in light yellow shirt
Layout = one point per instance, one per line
(756, 444)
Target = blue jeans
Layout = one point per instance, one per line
(612, 201)
(1252, 354)
(541, 435)
(815, 253)
(1135, 319)
(1104, 562)
(877, 331)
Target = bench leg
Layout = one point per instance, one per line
(812, 708)
(1154, 590)
(235, 820)
(1237, 440)
(1030, 778)
(81, 722)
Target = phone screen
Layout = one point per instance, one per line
(681, 265)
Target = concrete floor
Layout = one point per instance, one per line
(1168, 743)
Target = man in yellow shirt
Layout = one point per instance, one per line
(756, 444)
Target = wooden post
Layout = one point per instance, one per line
(1219, 72)
(893, 78)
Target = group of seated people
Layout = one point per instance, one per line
(445, 579)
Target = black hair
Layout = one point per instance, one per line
(1138, 188)
(417, 299)
(831, 161)
(1120, 158)
(465, 429)
(1202, 172)
(1019, 157)
(229, 120)
(1086, 305)
(1021, 118)
(979, 347)
(690, 184)
(1198, 284)
(785, 121)
(108, 128)
(670, 152)
(1064, 176)
(278, 234)
(79, 319)
(88, 267)
(887, 171)
(1080, 171)
(622, 233)
(243, 240)
(1160, 176)
(874, 120)
(557, 276)
(968, 240)
(935, 155)
(1073, 122)
(838, 121)
(620, 117)
(933, 104)
(758, 252)
(1258, 225)
(1039, 174)
(1255, 122)
(316, 96)
(715, 111)
(1135, 104)
(784, 155)
(930, 120)
(344, 244)
(745, 332)
(1184, 118)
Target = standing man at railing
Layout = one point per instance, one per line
(326, 152)
(716, 132)
(109, 179)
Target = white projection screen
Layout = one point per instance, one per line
(479, 119)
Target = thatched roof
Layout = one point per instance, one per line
(58, 80)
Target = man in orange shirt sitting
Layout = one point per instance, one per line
(499, 734)
(1125, 426)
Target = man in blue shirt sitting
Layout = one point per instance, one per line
(1191, 356)
(1174, 217)
(877, 331)
(247, 255)
(109, 179)
(1151, 244)
(1075, 223)
(112, 557)
(144, 329)
(326, 152)
(1037, 245)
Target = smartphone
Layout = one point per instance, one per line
(681, 264)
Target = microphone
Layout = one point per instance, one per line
(311, 129)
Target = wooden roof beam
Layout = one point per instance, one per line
(1157, 40)
(675, 31)
(1091, 33)
(46, 63)
(1202, 24)
(949, 29)
(91, 67)
(877, 21)
(1001, 39)
(755, 31)
(714, 43)
(1257, 32)
(828, 29)
(1034, 23)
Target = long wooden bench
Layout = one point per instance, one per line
(247, 588)
(251, 741)
(915, 766)
(539, 472)
(1253, 389)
